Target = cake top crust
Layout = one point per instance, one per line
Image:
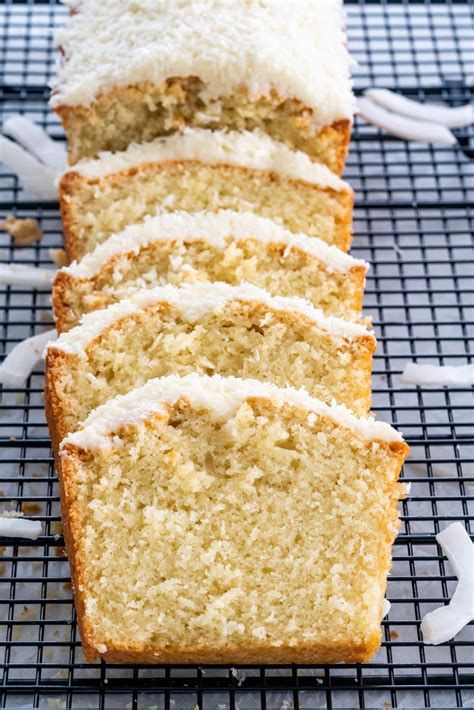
(297, 49)
(253, 150)
(213, 228)
(222, 396)
(195, 300)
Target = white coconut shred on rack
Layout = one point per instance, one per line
(13, 524)
(35, 140)
(419, 374)
(22, 275)
(35, 158)
(444, 623)
(19, 363)
(409, 129)
(449, 116)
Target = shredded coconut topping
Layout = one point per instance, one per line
(248, 149)
(222, 396)
(264, 45)
(215, 228)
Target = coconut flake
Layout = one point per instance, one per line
(20, 275)
(451, 117)
(36, 141)
(438, 375)
(14, 525)
(444, 623)
(37, 179)
(386, 605)
(19, 363)
(407, 128)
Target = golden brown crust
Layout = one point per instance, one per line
(357, 274)
(69, 185)
(340, 133)
(62, 301)
(71, 531)
(55, 360)
(72, 183)
(332, 652)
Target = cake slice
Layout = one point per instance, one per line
(223, 246)
(131, 71)
(208, 328)
(197, 170)
(220, 520)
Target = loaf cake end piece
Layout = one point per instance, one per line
(275, 66)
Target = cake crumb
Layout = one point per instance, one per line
(30, 508)
(58, 256)
(23, 231)
(393, 636)
(238, 675)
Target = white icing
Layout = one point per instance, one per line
(193, 301)
(214, 228)
(19, 363)
(445, 622)
(15, 525)
(416, 373)
(298, 50)
(386, 606)
(222, 396)
(248, 149)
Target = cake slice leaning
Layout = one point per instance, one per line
(197, 170)
(223, 246)
(221, 520)
(131, 71)
(208, 328)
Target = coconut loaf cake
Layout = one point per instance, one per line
(206, 328)
(263, 535)
(200, 169)
(132, 71)
(226, 246)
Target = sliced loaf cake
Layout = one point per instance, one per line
(197, 170)
(132, 71)
(223, 246)
(207, 328)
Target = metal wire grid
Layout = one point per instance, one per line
(413, 222)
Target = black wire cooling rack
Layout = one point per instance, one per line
(413, 222)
